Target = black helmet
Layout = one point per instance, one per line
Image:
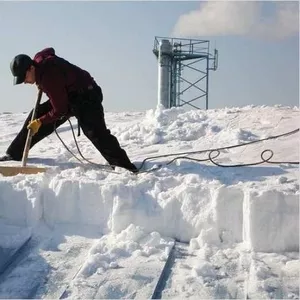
(19, 66)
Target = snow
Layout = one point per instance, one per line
(108, 234)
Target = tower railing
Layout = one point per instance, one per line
(191, 54)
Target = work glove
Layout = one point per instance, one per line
(34, 126)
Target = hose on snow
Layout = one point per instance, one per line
(212, 154)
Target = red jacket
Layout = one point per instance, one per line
(56, 77)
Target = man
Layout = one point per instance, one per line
(71, 92)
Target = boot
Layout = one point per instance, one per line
(132, 169)
(6, 157)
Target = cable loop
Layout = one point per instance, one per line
(268, 159)
(184, 155)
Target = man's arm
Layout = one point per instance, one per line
(54, 85)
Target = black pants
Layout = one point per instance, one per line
(88, 109)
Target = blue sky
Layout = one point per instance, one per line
(258, 45)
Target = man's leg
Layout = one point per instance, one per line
(93, 125)
(16, 148)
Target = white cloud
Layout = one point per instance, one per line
(239, 18)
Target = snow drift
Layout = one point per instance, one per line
(255, 205)
(255, 208)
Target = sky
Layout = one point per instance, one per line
(258, 44)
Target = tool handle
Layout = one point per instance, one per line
(29, 134)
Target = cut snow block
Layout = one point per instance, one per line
(271, 221)
(69, 201)
(19, 205)
(229, 214)
(13, 205)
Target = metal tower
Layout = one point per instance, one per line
(174, 82)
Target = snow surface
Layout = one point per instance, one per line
(101, 234)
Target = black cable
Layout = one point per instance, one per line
(264, 160)
(183, 155)
(106, 167)
(217, 149)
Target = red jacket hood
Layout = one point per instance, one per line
(44, 54)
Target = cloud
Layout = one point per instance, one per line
(240, 18)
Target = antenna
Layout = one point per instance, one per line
(175, 55)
